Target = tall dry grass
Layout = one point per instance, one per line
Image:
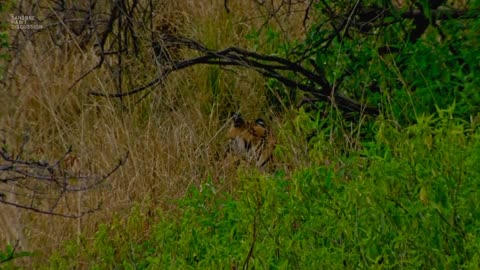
(174, 137)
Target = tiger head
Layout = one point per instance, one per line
(251, 141)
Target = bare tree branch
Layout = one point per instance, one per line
(33, 183)
(269, 66)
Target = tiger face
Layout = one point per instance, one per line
(250, 141)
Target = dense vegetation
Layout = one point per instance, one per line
(391, 183)
(407, 202)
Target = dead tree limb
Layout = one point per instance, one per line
(274, 67)
(39, 186)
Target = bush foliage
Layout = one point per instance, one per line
(408, 201)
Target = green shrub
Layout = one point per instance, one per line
(8, 256)
(4, 45)
(411, 205)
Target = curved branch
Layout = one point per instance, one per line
(267, 65)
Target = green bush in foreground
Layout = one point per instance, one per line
(411, 203)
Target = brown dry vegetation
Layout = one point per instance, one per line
(174, 137)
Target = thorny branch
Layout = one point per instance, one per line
(39, 186)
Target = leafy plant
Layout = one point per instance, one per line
(8, 255)
(411, 205)
(4, 44)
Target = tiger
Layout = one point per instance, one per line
(251, 141)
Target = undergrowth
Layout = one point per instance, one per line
(407, 199)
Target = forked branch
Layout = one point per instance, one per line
(40, 186)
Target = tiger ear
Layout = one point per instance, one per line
(259, 129)
(238, 121)
(260, 122)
